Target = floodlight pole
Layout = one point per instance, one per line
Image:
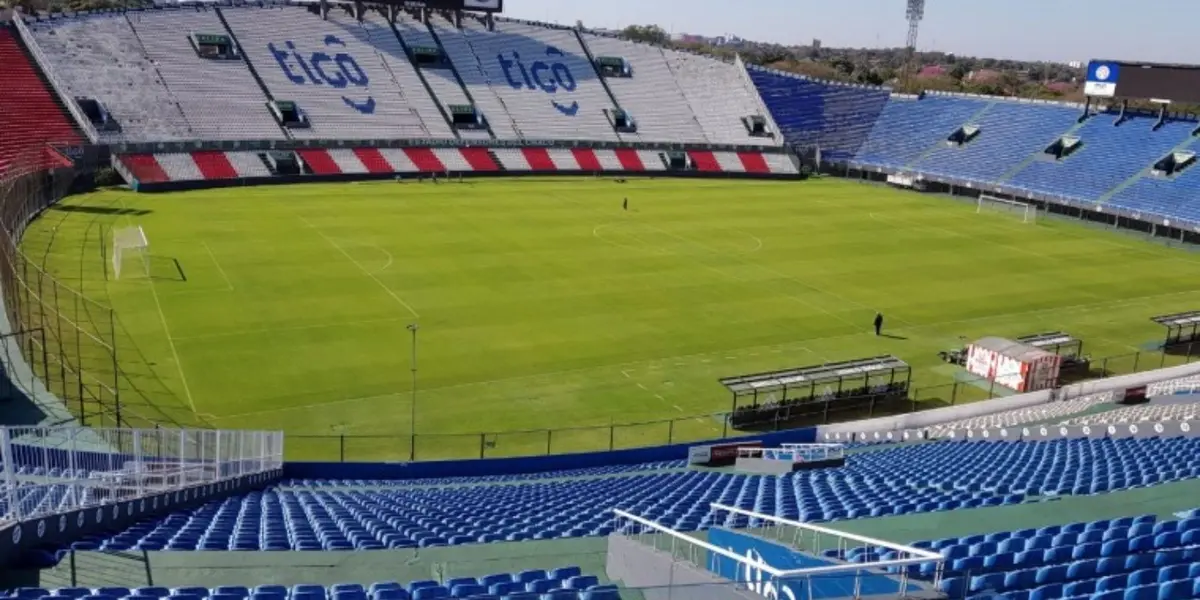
(412, 418)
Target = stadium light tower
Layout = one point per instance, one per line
(914, 14)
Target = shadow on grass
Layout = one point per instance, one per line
(101, 210)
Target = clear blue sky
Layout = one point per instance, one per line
(1059, 30)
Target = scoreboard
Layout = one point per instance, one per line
(1150, 81)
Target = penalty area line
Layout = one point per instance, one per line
(365, 271)
(216, 262)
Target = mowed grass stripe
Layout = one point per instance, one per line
(543, 304)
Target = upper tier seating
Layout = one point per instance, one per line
(1022, 416)
(901, 480)
(652, 96)
(907, 128)
(538, 76)
(719, 94)
(442, 82)
(30, 117)
(835, 117)
(219, 98)
(1162, 196)
(1009, 133)
(1178, 411)
(330, 70)
(1110, 154)
(99, 57)
(380, 35)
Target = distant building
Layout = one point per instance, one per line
(983, 75)
(931, 71)
(816, 44)
(1075, 64)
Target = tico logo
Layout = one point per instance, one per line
(340, 71)
(548, 77)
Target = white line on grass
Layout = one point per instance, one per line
(240, 332)
(1076, 307)
(187, 390)
(220, 269)
(387, 289)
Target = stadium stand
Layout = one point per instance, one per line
(99, 57)
(720, 95)
(1135, 557)
(1041, 413)
(376, 32)
(835, 117)
(442, 80)
(1111, 154)
(1176, 411)
(331, 71)
(1008, 132)
(894, 481)
(652, 95)
(219, 98)
(30, 116)
(909, 127)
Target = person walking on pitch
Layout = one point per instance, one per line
(878, 323)
(625, 205)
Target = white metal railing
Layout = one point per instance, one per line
(51, 470)
(690, 548)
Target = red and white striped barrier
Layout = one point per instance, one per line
(210, 165)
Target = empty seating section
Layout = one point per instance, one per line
(909, 127)
(179, 167)
(835, 117)
(1174, 411)
(219, 98)
(1050, 412)
(540, 76)
(442, 82)
(1010, 132)
(652, 96)
(929, 477)
(99, 57)
(562, 583)
(719, 94)
(329, 69)
(474, 78)
(1130, 557)
(397, 63)
(30, 117)
(1110, 155)
(1170, 197)
(248, 164)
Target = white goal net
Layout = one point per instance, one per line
(130, 242)
(1027, 213)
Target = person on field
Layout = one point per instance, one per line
(625, 205)
(878, 323)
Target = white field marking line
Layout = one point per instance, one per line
(240, 332)
(187, 390)
(625, 372)
(1075, 307)
(373, 277)
(718, 271)
(643, 248)
(388, 264)
(220, 269)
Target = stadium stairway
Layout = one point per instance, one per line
(1150, 202)
(907, 128)
(943, 143)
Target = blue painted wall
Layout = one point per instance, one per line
(529, 464)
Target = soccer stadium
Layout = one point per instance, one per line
(413, 300)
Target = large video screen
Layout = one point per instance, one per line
(1115, 79)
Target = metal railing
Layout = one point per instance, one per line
(52, 470)
(708, 426)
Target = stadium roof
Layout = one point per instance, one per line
(1182, 319)
(826, 373)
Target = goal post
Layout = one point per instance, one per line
(130, 242)
(994, 204)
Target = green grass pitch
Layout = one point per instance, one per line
(543, 304)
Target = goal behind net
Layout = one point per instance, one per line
(130, 243)
(1027, 213)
